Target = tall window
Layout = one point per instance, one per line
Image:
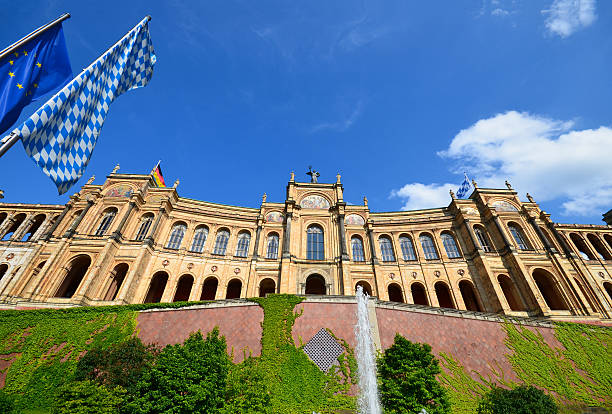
(145, 225)
(518, 236)
(221, 242)
(272, 246)
(357, 247)
(106, 221)
(407, 248)
(199, 238)
(482, 239)
(176, 236)
(428, 247)
(450, 245)
(244, 238)
(314, 244)
(386, 249)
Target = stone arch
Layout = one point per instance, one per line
(36, 223)
(157, 287)
(395, 293)
(365, 286)
(266, 286)
(17, 222)
(3, 269)
(585, 294)
(419, 294)
(106, 220)
(3, 216)
(550, 292)
(118, 276)
(470, 298)
(509, 290)
(599, 247)
(608, 288)
(183, 288)
(581, 246)
(608, 239)
(209, 288)
(315, 285)
(234, 289)
(78, 267)
(443, 294)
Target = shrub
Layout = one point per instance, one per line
(87, 397)
(520, 400)
(407, 373)
(247, 391)
(7, 402)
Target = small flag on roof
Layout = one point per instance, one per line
(464, 188)
(158, 177)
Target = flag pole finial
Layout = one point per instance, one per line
(474, 184)
(452, 194)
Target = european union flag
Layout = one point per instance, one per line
(37, 67)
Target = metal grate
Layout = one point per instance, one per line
(323, 350)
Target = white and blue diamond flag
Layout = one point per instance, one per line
(464, 188)
(62, 134)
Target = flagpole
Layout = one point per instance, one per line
(8, 142)
(35, 33)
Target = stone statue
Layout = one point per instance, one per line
(313, 174)
(264, 198)
(115, 169)
(176, 183)
(91, 180)
(292, 176)
(338, 178)
(530, 198)
(508, 185)
(365, 201)
(474, 184)
(452, 194)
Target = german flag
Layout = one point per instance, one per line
(158, 177)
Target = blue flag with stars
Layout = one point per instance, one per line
(464, 188)
(62, 134)
(39, 66)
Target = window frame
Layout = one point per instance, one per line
(315, 242)
(220, 248)
(107, 219)
(242, 244)
(360, 256)
(198, 242)
(387, 254)
(450, 246)
(430, 252)
(407, 248)
(272, 248)
(176, 240)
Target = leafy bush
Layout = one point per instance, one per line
(7, 403)
(87, 397)
(407, 373)
(187, 378)
(247, 391)
(520, 400)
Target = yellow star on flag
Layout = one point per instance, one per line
(25, 53)
(36, 85)
(16, 54)
(11, 62)
(11, 74)
(38, 64)
(20, 86)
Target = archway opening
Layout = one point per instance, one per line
(157, 287)
(585, 294)
(365, 286)
(509, 291)
(549, 291)
(183, 289)
(395, 293)
(78, 268)
(583, 249)
(419, 296)
(36, 223)
(118, 276)
(209, 288)
(18, 220)
(315, 285)
(608, 288)
(234, 288)
(444, 297)
(601, 250)
(266, 286)
(469, 296)
(3, 269)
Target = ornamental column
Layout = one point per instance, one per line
(72, 230)
(287, 238)
(56, 223)
(117, 233)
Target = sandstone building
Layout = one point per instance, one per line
(127, 241)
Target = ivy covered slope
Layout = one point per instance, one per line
(42, 347)
(577, 375)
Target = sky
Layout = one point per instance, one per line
(400, 97)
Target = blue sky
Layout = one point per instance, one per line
(399, 97)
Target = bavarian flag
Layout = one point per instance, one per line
(30, 71)
(158, 177)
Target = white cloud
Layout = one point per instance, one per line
(545, 157)
(500, 12)
(343, 124)
(567, 16)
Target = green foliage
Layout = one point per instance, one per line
(7, 403)
(520, 400)
(187, 378)
(247, 390)
(87, 397)
(407, 373)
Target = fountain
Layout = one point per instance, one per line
(368, 401)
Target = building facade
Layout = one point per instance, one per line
(127, 241)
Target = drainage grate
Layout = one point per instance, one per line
(323, 350)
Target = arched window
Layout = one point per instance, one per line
(157, 287)
(386, 249)
(407, 248)
(468, 294)
(419, 295)
(357, 248)
(36, 223)
(176, 236)
(315, 285)
(266, 286)
(599, 247)
(272, 246)
(209, 288)
(3, 269)
(145, 225)
(444, 297)
(234, 289)
(244, 238)
(608, 288)
(450, 245)
(315, 246)
(117, 277)
(199, 238)
(17, 222)
(395, 293)
(107, 219)
(509, 292)
(582, 248)
(518, 236)
(483, 240)
(221, 242)
(429, 248)
(70, 284)
(547, 286)
(608, 239)
(183, 289)
(367, 289)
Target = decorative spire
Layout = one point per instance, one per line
(264, 198)
(474, 184)
(91, 180)
(452, 194)
(292, 176)
(365, 201)
(176, 183)
(115, 169)
(338, 178)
